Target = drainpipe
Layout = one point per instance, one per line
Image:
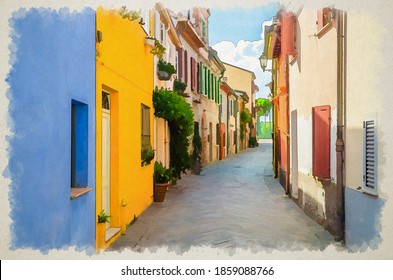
(340, 213)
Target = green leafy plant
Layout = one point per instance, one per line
(162, 174)
(263, 106)
(130, 15)
(173, 108)
(252, 142)
(147, 155)
(103, 217)
(179, 86)
(158, 49)
(245, 117)
(197, 144)
(166, 67)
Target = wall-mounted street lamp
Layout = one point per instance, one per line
(263, 62)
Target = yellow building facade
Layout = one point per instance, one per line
(124, 119)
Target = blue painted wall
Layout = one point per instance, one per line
(54, 64)
(362, 220)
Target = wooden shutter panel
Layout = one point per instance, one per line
(198, 78)
(192, 74)
(185, 67)
(180, 64)
(370, 157)
(321, 141)
(319, 20)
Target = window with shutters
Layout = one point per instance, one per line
(324, 21)
(321, 141)
(370, 157)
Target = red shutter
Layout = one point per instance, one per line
(321, 141)
(198, 78)
(287, 33)
(319, 20)
(180, 64)
(192, 74)
(185, 67)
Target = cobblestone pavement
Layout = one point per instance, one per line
(234, 203)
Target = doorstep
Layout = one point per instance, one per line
(110, 232)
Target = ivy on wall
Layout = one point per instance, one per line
(245, 117)
(173, 108)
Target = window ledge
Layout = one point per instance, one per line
(324, 29)
(77, 192)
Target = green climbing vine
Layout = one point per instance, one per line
(173, 108)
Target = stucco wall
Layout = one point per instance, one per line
(312, 82)
(54, 63)
(365, 99)
(124, 69)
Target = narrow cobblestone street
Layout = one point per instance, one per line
(235, 203)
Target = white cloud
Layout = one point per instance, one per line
(245, 54)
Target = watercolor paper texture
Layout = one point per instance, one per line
(76, 111)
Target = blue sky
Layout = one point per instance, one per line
(235, 33)
(235, 24)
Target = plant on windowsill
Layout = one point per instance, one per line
(147, 155)
(103, 218)
(162, 179)
(158, 49)
(179, 87)
(165, 70)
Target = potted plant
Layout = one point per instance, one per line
(103, 218)
(158, 49)
(196, 154)
(162, 179)
(147, 155)
(165, 70)
(179, 86)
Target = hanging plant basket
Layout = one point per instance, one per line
(163, 76)
(179, 87)
(165, 70)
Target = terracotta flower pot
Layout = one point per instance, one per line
(160, 191)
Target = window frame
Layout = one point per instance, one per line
(145, 111)
(79, 144)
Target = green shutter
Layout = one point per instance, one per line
(208, 84)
